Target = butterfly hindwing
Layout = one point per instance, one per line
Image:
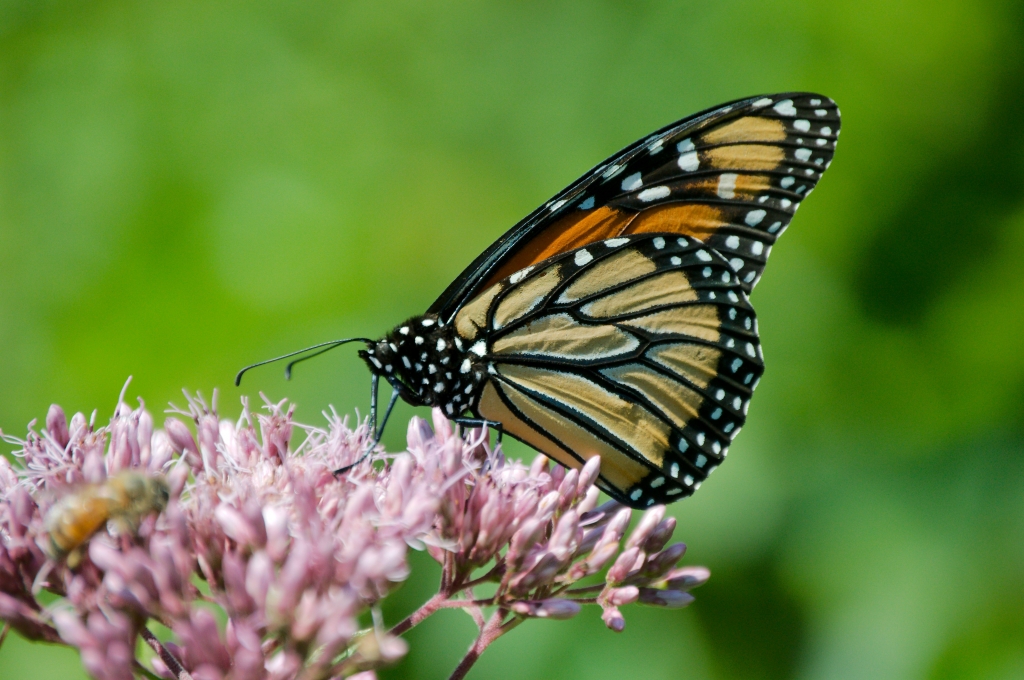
(732, 176)
(641, 349)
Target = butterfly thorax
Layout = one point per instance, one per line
(424, 360)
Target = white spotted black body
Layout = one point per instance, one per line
(425, 362)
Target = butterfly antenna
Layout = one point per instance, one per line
(377, 434)
(327, 345)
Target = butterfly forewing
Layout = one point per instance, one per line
(642, 349)
(731, 177)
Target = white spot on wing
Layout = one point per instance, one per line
(658, 242)
(479, 348)
(785, 108)
(761, 103)
(703, 256)
(520, 275)
(754, 217)
(820, 112)
(632, 182)
(787, 182)
(653, 194)
(802, 125)
(616, 242)
(803, 154)
(732, 242)
(736, 263)
(656, 147)
(826, 130)
(727, 185)
(689, 161)
(587, 204)
(582, 257)
(757, 247)
(685, 145)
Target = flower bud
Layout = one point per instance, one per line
(182, 441)
(564, 537)
(552, 608)
(540, 466)
(567, 489)
(589, 501)
(673, 599)
(548, 504)
(613, 618)
(685, 578)
(661, 563)
(588, 475)
(144, 434)
(660, 536)
(442, 427)
(622, 567)
(209, 435)
(57, 425)
(646, 526)
(418, 433)
(621, 596)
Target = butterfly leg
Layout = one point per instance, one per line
(377, 433)
(482, 422)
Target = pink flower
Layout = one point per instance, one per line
(120, 521)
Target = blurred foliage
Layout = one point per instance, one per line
(186, 187)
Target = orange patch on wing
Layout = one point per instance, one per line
(746, 129)
(689, 219)
(745, 157)
(572, 231)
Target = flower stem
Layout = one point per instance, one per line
(488, 634)
(165, 655)
(428, 608)
(3, 633)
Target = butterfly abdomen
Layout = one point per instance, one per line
(429, 361)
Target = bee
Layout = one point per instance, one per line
(121, 501)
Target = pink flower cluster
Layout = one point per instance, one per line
(131, 525)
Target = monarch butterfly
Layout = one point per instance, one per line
(614, 319)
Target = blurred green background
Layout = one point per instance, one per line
(186, 187)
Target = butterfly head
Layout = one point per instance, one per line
(423, 360)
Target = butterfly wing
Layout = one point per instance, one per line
(732, 177)
(643, 350)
